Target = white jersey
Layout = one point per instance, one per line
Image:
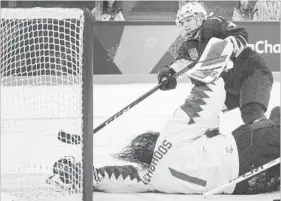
(185, 159)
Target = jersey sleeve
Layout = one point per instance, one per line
(186, 54)
(188, 50)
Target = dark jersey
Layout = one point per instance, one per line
(246, 63)
(212, 27)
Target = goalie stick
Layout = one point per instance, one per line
(215, 56)
(243, 177)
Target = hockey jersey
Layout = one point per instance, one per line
(186, 158)
(213, 27)
(245, 60)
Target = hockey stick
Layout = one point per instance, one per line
(243, 177)
(76, 139)
(205, 60)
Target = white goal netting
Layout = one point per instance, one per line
(41, 93)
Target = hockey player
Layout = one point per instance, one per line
(248, 83)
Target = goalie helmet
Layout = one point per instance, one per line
(67, 175)
(190, 18)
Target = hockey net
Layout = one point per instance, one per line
(43, 80)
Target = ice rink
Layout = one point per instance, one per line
(38, 145)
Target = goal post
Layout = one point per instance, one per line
(46, 84)
(87, 106)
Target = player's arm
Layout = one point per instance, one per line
(119, 179)
(167, 73)
(221, 28)
(187, 54)
(114, 179)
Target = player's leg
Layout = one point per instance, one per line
(231, 102)
(255, 94)
(257, 145)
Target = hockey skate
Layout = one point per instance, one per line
(272, 121)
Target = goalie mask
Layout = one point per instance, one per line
(190, 18)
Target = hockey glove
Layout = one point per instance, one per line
(166, 75)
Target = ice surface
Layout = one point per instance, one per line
(28, 153)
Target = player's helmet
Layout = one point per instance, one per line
(190, 18)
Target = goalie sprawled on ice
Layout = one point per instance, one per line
(190, 155)
(188, 158)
